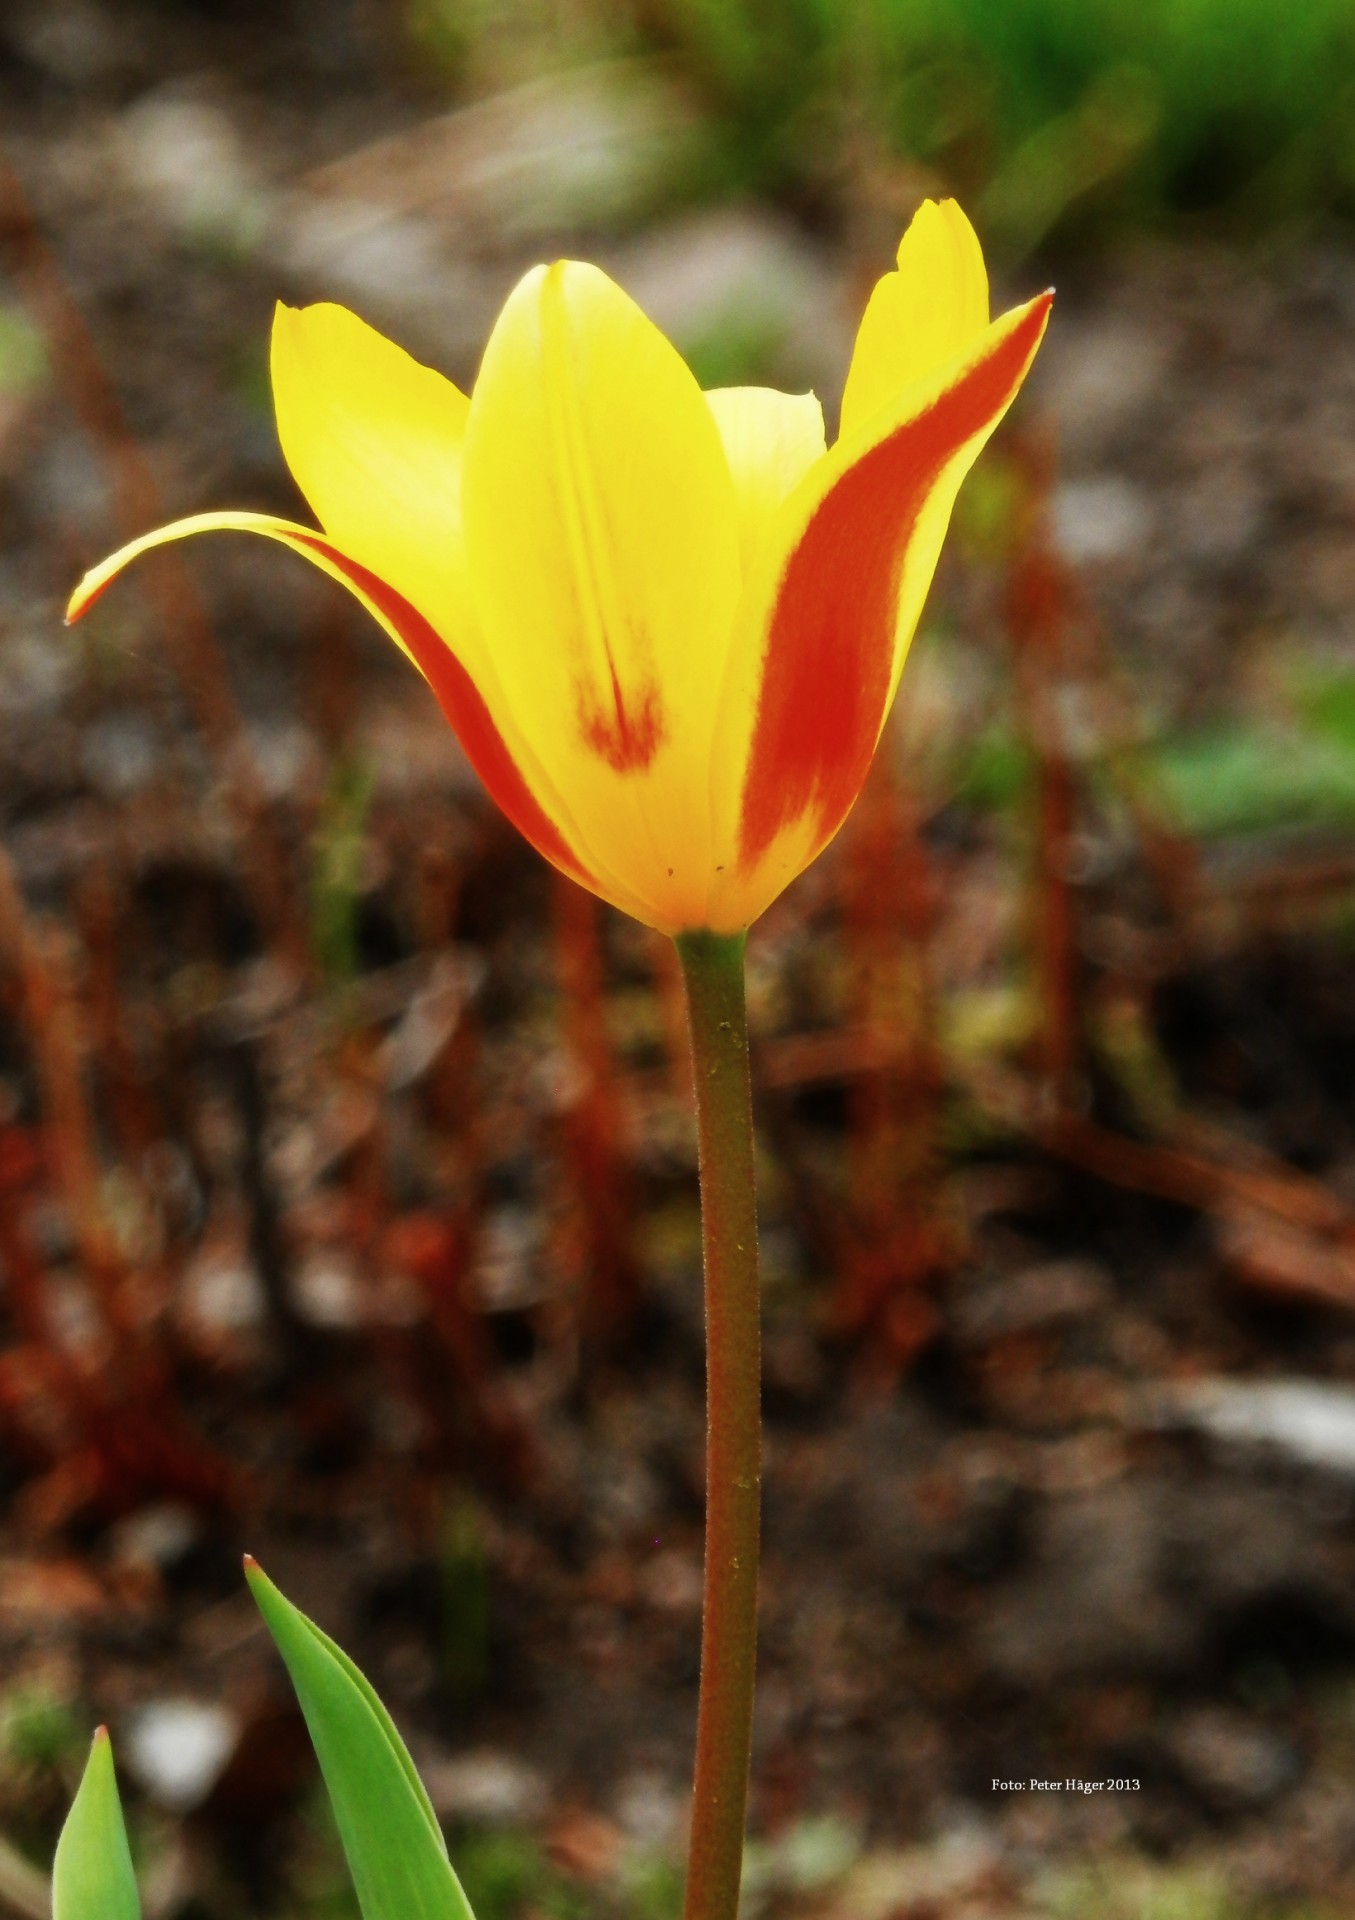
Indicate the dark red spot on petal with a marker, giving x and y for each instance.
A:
(629, 736)
(831, 646)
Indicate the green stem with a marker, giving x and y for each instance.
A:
(712, 970)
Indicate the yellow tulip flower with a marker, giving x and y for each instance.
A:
(666, 625)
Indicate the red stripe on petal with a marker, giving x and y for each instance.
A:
(830, 648)
(461, 702)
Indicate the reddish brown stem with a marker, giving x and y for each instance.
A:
(891, 1242)
(712, 966)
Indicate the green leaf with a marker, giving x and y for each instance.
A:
(93, 1878)
(391, 1837)
(1248, 779)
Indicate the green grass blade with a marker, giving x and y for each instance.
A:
(93, 1878)
(394, 1846)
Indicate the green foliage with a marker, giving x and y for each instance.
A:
(384, 1819)
(654, 1889)
(1185, 1894)
(998, 774)
(391, 1838)
(506, 1876)
(1044, 115)
(37, 1730)
(507, 40)
(1128, 1888)
(806, 1859)
(986, 522)
(23, 356)
(1326, 704)
(739, 349)
(1293, 768)
(1245, 779)
(1139, 105)
(92, 1878)
(502, 1871)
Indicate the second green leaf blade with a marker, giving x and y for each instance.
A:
(92, 1878)
(394, 1846)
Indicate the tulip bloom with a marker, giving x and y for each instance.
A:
(666, 625)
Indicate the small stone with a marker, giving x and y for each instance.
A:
(1222, 516)
(186, 159)
(74, 41)
(672, 1582)
(735, 282)
(37, 673)
(1309, 1420)
(119, 753)
(327, 1289)
(418, 1040)
(158, 1536)
(220, 1291)
(816, 1853)
(507, 1274)
(1232, 1761)
(178, 1750)
(650, 1810)
(928, 1878)
(485, 1786)
(1100, 378)
(1050, 1294)
(1102, 518)
(285, 758)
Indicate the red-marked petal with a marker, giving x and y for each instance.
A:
(829, 667)
(457, 694)
(462, 703)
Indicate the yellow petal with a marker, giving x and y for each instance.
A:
(602, 544)
(373, 440)
(931, 309)
(771, 440)
(303, 540)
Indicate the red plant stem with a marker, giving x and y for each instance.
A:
(891, 1243)
(132, 1416)
(712, 968)
(38, 957)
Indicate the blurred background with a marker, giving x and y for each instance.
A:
(347, 1172)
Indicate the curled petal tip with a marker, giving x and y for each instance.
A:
(88, 591)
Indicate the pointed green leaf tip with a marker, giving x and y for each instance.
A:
(395, 1849)
(92, 1878)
